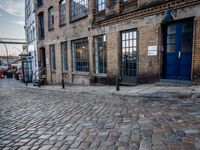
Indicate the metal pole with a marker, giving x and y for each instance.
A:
(117, 84)
(6, 51)
(63, 83)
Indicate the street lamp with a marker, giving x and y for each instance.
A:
(6, 50)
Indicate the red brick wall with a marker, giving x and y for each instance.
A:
(149, 66)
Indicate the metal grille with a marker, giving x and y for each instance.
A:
(80, 55)
(129, 48)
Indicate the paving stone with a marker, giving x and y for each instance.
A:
(57, 119)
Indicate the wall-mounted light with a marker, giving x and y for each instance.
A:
(168, 16)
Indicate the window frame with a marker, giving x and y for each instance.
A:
(81, 17)
(96, 54)
(61, 14)
(51, 18)
(52, 57)
(40, 3)
(80, 42)
(62, 56)
(103, 2)
(41, 28)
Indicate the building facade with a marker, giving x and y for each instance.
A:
(30, 32)
(97, 41)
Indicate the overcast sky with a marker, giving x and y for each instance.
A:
(11, 23)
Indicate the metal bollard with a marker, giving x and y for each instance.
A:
(63, 84)
(117, 84)
(38, 83)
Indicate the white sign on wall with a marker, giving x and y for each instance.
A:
(152, 50)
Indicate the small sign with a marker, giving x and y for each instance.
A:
(152, 50)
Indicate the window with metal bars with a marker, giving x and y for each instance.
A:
(80, 55)
(62, 12)
(79, 9)
(52, 57)
(100, 54)
(51, 18)
(64, 56)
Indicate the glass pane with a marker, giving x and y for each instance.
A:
(171, 29)
(171, 48)
(186, 46)
(187, 27)
(123, 36)
(171, 39)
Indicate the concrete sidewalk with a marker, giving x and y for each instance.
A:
(155, 90)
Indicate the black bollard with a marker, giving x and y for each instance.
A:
(38, 83)
(117, 84)
(63, 84)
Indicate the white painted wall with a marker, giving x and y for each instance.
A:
(30, 32)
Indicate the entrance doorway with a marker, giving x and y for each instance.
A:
(178, 42)
(129, 56)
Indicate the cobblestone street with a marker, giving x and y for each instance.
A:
(43, 119)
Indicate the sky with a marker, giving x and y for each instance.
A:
(12, 24)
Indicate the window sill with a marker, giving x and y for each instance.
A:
(52, 29)
(53, 71)
(73, 21)
(65, 72)
(100, 75)
(62, 25)
(80, 73)
(41, 38)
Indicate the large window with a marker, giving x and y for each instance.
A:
(79, 9)
(41, 25)
(62, 12)
(52, 57)
(129, 56)
(51, 18)
(64, 56)
(39, 3)
(80, 55)
(100, 54)
(101, 4)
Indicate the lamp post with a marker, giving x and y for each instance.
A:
(6, 50)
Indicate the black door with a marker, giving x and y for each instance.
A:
(129, 56)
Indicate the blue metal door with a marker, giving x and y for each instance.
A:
(178, 50)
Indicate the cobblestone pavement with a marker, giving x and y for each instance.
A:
(42, 119)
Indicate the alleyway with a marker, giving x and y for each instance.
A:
(46, 119)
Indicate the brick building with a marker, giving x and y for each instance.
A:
(96, 41)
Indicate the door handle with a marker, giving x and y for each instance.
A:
(179, 54)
